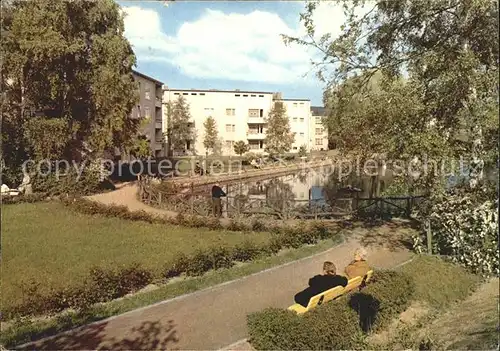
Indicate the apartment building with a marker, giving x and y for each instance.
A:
(240, 115)
(319, 133)
(299, 113)
(149, 108)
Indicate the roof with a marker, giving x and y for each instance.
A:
(295, 99)
(219, 91)
(318, 111)
(146, 77)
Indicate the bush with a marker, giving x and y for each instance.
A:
(335, 325)
(198, 264)
(221, 257)
(258, 225)
(246, 251)
(464, 227)
(239, 225)
(388, 294)
(30, 198)
(178, 266)
(100, 286)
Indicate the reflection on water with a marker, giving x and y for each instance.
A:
(322, 189)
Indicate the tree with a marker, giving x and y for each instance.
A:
(240, 147)
(179, 126)
(452, 69)
(69, 63)
(279, 138)
(302, 151)
(211, 138)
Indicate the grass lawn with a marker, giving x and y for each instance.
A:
(51, 245)
(452, 309)
(27, 330)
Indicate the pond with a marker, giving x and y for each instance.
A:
(319, 191)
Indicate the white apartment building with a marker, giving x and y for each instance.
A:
(240, 115)
(299, 113)
(319, 134)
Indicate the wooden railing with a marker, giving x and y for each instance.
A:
(195, 203)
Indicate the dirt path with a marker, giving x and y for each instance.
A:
(215, 317)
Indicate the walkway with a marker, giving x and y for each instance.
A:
(215, 317)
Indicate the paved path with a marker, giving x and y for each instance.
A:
(215, 317)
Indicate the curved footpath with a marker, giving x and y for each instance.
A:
(215, 317)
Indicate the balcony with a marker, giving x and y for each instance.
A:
(158, 102)
(255, 136)
(256, 120)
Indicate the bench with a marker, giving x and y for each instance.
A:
(328, 295)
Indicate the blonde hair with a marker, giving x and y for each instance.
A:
(329, 268)
(361, 253)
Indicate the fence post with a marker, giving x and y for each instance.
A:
(191, 199)
(429, 237)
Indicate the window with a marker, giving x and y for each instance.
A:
(147, 112)
(139, 111)
(253, 112)
(261, 95)
(302, 103)
(295, 147)
(229, 144)
(185, 93)
(147, 94)
(237, 95)
(319, 141)
(230, 128)
(193, 94)
(176, 93)
(253, 95)
(319, 131)
(294, 104)
(230, 112)
(301, 134)
(202, 93)
(302, 119)
(245, 95)
(295, 119)
(261, 113)
(318, 120)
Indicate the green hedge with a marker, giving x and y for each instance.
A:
(335, 325)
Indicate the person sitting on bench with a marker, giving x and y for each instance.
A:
(320, 283)
(359, 267)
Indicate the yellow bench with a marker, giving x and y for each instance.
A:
(331, 294)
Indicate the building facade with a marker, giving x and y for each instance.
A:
(240, 115)
(319, 133)
(149, 108)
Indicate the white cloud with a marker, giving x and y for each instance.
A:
(230, 46)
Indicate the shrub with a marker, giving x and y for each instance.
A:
(275, 244)
(464, 227)
(334, 325)
(194, 221)
(321, 230)
(198, 264)
(178, 266)
(213, 223)
(258, 225)
(389, 294)
(246, 251)
(221, 257)
(238, 225)
(30, 198)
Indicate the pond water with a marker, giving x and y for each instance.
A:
(322, 188)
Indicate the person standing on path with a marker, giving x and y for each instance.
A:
(217, 193)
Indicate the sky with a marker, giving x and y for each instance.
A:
(228, 44)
